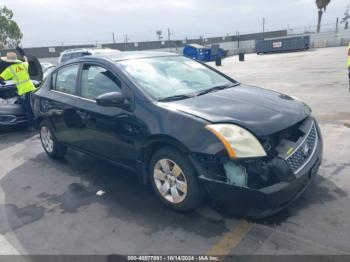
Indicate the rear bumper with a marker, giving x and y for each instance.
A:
(259, 203)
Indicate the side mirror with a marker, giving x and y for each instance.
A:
(113, 99)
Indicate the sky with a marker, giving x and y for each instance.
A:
(49, 22)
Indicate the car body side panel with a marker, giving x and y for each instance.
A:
(188, 130)
(107, 131)
(126, 136)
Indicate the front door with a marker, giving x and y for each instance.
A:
(108, 131)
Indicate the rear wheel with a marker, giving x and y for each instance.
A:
(49, 142)
(174, 180)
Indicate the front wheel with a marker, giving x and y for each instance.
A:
(174, 180)
(49, 142)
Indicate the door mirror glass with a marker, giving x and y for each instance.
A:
(112, 99)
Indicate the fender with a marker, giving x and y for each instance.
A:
(147, 149)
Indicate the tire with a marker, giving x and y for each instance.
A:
(49, 142)
(180, 176)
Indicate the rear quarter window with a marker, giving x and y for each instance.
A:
(66, 57)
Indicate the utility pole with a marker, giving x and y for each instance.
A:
(337, 25)
(126, 40)
(169, 34)
(113, 38)
(169, 37)
(263, 32)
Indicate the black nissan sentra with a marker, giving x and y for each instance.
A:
(183, 127)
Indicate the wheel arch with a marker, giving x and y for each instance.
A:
(152, 145)
(39, 119)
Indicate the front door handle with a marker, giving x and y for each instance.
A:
(83, 114)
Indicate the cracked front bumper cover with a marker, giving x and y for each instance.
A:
(266, 201)
(11, 115)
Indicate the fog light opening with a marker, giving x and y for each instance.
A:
(236, 174)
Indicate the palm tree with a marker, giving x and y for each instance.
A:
(321, 6)
(346, 18)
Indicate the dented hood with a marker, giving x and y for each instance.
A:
(259, 110)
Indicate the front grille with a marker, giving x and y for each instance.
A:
(304, 152)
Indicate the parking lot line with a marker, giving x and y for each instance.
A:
(231, 239)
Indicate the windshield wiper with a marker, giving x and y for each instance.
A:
(215, 88)
(174, 98)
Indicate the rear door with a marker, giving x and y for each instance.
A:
(61, 104)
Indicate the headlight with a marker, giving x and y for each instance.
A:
(239, 142)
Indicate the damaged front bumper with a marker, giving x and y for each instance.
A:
(11, 115)
(291, 182)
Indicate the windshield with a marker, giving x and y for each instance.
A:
(164, 77)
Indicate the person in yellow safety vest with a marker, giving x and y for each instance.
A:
(17, 71)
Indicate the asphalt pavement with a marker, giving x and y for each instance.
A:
(82, 205)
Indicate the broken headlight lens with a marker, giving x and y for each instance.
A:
(239, 142)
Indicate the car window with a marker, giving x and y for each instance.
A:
(66, 57)
(97, 80)
(66, 79)
(163, 77)
(184, 75)
(78, 54)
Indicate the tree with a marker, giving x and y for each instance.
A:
(321, 6)
(346, 18)
(10, 33)
(159, 34)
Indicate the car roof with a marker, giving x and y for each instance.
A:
(127, 55)
(90, 50)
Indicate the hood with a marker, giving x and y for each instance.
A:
(261, 111)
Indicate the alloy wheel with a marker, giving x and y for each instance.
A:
(46, 139)
(170, 181)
